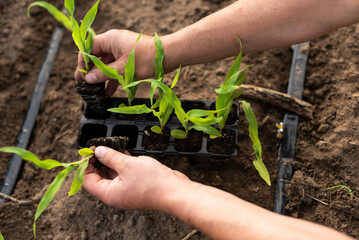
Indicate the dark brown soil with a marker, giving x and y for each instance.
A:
(326, 151)
(226, 144)
(93, 95)
(155, 141)
(193, 142)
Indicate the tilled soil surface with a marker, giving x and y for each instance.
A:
(327, 145)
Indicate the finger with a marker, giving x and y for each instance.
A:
(80, 65)
(96, 185)
(111, 87)
(111, 158)
(95, 75)
(102, 43)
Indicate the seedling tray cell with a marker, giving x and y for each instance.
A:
(136, 128)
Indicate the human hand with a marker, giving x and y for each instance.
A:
(131, 182)
(113, 48)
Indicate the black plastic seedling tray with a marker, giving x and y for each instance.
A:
(133, 126)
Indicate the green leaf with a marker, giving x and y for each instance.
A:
(109, 71)
(157, 104)
(89, 42)
(224, 89)
(200, 113)
(50, 193)
(88, 20)
(85, 152)
(237, 94)
(210, 120)
(156, 129)
(83, 70)
(207, 129)
(179, 134)
(137, 109)
(130, 65)
(70, 6)
(29, 156)
(176, 78)
(235, 67)
(159, 71)
(57, 14)
(253, 133)
(76, 35)
(1, 236)
(79, 178)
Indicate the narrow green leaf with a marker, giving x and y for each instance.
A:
(50, 193)
(83, 70)
(237, 94)
(130, 65)
(89, 43)
(76, 36)
(179, 134)
(342, 186)
(210, 120)
(174, 82)
(200, 113)
(70, 6)
(262, 170)
(57, 14)
(159, 71)
(224, 89)
(88, 20)
(253, 133)
(156, 129)
(207, 129)
(241, 77)
(29, 156)
(85, 152)
(235, 67)
(137, 109)
(157, 104)
(109, 71)
(1, 236)
(79, 178)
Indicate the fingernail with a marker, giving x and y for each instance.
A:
(91, 77)
(100, 152)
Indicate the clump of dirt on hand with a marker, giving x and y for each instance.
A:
(117, 143)
(93, 95)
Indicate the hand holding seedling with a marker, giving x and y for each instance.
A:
(130, 182)
(113, 48)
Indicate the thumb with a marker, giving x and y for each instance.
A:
(97, 76)
(111, 158)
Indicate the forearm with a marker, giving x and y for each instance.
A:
(221, 215)
(260, 24)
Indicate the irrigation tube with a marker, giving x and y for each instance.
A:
(29, 122)
(290, 125)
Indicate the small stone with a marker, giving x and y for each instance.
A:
(115, 217)
(163, 219)
(217, 181)
(323, 128)
(279, 135)
(83, 235)
(97, 223)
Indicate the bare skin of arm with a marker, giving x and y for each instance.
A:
(260, 24)
(144, 183)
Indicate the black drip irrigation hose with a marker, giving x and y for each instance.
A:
(290, 125)
(29, 122)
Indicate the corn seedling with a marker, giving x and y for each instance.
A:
(201, 119)
(55, 186)
(253, 134)
(228, 91)
(342, 186)
(113, 73)
(164, 109)
(82, 34)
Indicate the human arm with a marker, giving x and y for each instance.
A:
(260, 24)
(144, 183)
